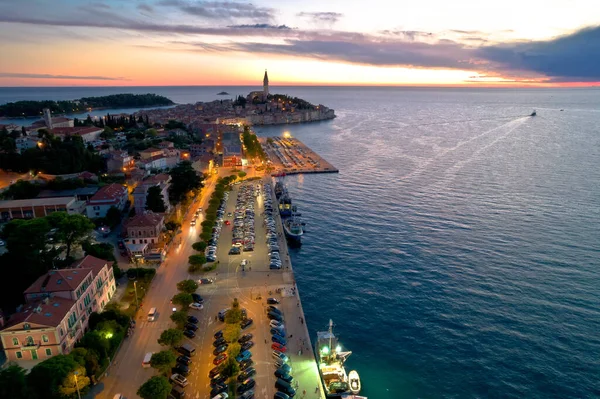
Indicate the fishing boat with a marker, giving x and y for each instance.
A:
(330, 360)
(534, 113)
(279, 189)
(285, 205)
(354, 382)
(293, 230)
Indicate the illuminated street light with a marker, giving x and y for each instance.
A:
(75, 373)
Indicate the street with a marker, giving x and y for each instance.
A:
(251, 287)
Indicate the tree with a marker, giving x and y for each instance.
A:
(242, 174)
(154, 200)
(231, 367)
(100, 250)
(171, 337)
(234, 316)
(157, 387)
(197, 259)
(188, 286)
(199, 246)
(46, 378)
(113, 216)
(184, 299)
(108, 133)
(163, 361)
(172, 225)
(72, 229)
(179, 318)
(87, 358)
(74, 381)
(183, 180)
(13, 383)
(231, 333)
(22, 189)
(95, 341)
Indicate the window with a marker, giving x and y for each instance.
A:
(30, 341)
(16, 341)
(45, 338)
(96, 208)
(26, 326)
(48, 352)
(19, 355)
(139, 233)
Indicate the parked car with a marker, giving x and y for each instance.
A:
(197, 298)
(272, 301)
(245, 338)
(192, 319)
(246, 385)
(235, 251)
(278, 347)
(220, 349)
(279, 373)
(219, 391)
(220, 359)
(247, 345)
(275, 324)
(184, 360)
(272, 308)
(218, 334)
(181, 369)
(244, 375)
(196, 306)
(278, 331)
(219, 341)
(279, 355)
(245, 355)
(286, 368)
(280, 395)
(179, 380)
(189, 333)
(246, 323)
(279, 339)
(216, 370)
(275, 316)
(245, 364)
(191, 326)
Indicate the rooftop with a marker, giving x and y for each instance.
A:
(91, 262)
(59, 280)
(112, 192)
(145, 220)
(45, 313)
(68, 193)
(36, 202)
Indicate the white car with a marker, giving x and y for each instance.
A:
(275, 324)
(179, 380)
(196, 306)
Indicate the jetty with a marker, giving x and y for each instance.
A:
(289, 156)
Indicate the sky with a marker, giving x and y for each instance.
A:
(377, 42)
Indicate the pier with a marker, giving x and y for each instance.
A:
(290, 156)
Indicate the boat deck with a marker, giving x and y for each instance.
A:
(291, 156)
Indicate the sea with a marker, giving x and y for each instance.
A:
(458, 250)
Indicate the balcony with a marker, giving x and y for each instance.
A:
(31, 345)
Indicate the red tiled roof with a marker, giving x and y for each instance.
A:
(110, 193)
(78, 131)
(47, 314)
(58, 280)
(150, 150)
(91, 262)
(148, 219)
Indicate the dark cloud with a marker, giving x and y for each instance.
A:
(259, 26)
(222, 10)
(49, 76)
(320, 17)
(574, 57)
(145, 7)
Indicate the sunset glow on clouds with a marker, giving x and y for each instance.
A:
(186, 42)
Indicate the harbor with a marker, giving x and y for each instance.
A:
(288, 155)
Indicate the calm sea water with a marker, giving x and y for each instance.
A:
(458, 249)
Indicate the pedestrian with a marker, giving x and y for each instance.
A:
(304, 392)
(298, 305)
(317, 389)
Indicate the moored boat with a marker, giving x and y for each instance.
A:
(293, 230)
(534, 113)
(330, 361)
(354, 382)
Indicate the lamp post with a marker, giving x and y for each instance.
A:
(75, 373)
(135, 289)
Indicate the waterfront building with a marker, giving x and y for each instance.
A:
(57, 310)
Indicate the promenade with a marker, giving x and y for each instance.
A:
(251, 287)
(291, 156)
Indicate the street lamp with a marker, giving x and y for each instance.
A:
(135, 289)
(75, 373)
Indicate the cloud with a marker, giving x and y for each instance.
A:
(260, 26)
(321, 17)
(49, 76)
(408, 34)
(145, 7)
(222, 10)
(567, 58)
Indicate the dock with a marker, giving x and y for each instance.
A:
(290, 156)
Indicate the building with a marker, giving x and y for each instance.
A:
(57, 310)
(140, 193)
(25, 142)
(82, 193)
(107, 197)
(207, 147)
(39, 207)
(52, 123)
(88, 134)
(150, 153)
(145, 228)
(120, 161)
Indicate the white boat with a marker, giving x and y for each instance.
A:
(354, 380)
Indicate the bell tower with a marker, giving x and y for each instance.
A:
(266, 85)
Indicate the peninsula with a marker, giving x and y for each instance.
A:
(35, 108)
(257, 108)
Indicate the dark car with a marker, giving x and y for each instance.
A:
(244, 375)
(219, 342)
(276, 331)
(273, 309)
(279, 339)
(218, 334)
(234, 251)
(197, 298)
(220, 359)
(272, 301)
(280, 395)
(274, 266)
(247, 345)
(274, 316)
(192, 319)
(220, 349)
(280, 373)
(245, 338)
(246, 385)
(216, 370)
(189, 333)
(184, 360)
(181, 369)
(191, 326)
(286, 368)
(218, 389)
(218, 379)
(249, 248)
(245, 364)
(246, 323)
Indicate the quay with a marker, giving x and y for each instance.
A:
(290, 156)
(251, 285)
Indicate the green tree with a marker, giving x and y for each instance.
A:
(22, 189)
(113, 216)
(188, 286)
(13, 383)
(183, 180)
(163, 361)
(172, 225)
(76, 380)
(95, 341)
(197, 259)
(72, 229)
(242, 174)
(108, 133)
(199, 246)
(231, 332)
(231, 367)
(100, 250)
(157, 387)
(179, 318)
(184, 299)
(171, 337)
(87, 358)
(234, 316)
(46, 378)
(154, 200)
(151, 133)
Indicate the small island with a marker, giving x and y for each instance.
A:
(223, 93)
(35, 108)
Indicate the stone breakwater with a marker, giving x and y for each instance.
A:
(321, 114)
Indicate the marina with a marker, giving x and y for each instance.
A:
(288, 155)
